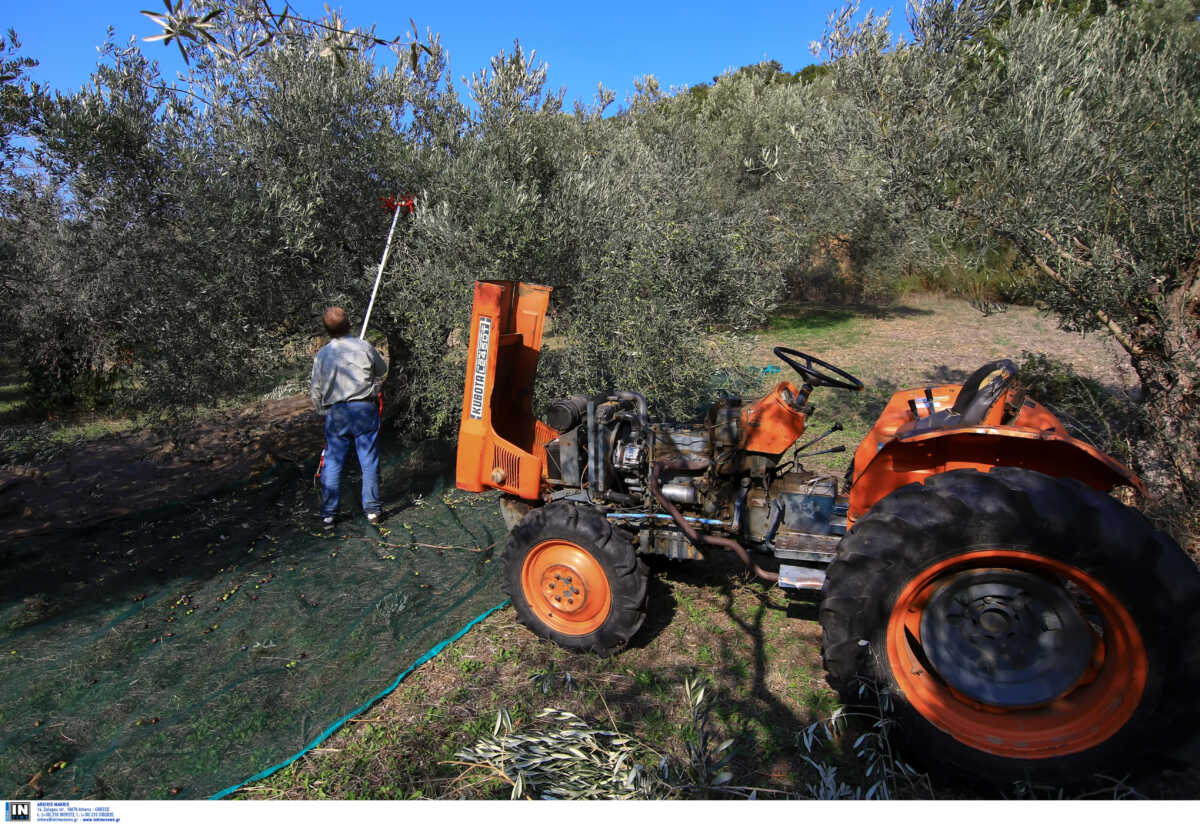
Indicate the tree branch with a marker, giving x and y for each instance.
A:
(1063, 253)
(177, 90)
(1119, 334)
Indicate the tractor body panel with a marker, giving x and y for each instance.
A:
(895, 452)
(500, 443)
(773, 424)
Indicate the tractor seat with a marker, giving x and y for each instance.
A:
(979, 393)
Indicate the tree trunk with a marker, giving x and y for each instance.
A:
(397, 398)
(1171, 381)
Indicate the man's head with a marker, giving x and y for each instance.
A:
(336, 322)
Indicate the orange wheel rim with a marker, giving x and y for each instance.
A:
(566, 587)
(1102, 694)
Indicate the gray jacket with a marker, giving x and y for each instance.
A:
(345, 369)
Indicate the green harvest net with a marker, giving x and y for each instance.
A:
(179, 651)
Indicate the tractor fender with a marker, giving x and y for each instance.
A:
(911, 460)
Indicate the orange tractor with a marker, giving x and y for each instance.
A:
(977, 582)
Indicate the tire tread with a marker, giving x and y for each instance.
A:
(918, 525)
(612, 548)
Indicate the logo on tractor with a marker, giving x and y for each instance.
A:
(479, 381)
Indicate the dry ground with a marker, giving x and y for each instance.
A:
(132, 471)
(927, 338)
(932, 337)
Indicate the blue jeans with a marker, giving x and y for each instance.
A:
(356, 422)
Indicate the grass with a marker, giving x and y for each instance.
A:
(447, 706)
(451, 732)
(815, 325)
(23, 425)
(33, 436)
(12, 394)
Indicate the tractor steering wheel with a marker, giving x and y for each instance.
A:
(818, 377)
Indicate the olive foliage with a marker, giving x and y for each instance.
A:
(190, 232)
(1073, 139)
(16, 110)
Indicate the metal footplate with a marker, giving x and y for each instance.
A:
(795, 577)
(806, 547)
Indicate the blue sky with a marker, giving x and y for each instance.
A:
(679, 43)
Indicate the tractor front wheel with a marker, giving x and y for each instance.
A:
(575, 579)
(1016, 626)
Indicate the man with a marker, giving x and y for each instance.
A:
(343, 390)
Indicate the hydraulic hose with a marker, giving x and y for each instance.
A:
(693, 536)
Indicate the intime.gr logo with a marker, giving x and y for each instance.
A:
(16, 810)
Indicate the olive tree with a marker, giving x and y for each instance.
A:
(209, 219)
(204, 224)
(17, 195)
(827, 227)
(1075, 142)
(99, 195)
(645, 275)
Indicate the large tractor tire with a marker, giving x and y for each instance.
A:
(575, 579)
(1016, 626)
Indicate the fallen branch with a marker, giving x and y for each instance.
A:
(484, 765)
(414, 544)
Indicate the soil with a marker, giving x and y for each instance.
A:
(934, 338)
(134, 471)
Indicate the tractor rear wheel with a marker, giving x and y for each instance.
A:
(575, 579)
(1016, 626)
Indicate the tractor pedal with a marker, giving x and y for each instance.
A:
(795, 577)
